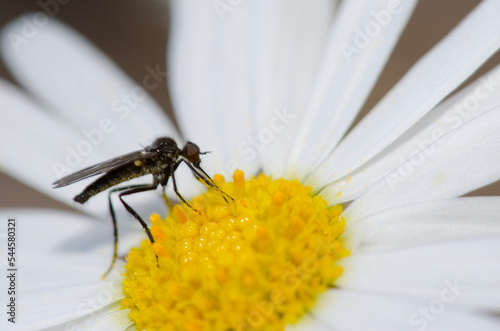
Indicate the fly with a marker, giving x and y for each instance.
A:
(160, 159)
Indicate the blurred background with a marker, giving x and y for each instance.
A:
(134, 34)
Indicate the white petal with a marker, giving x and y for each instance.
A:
(52, 229)
(425, 223)
(226, 67)
(86, 89)
(57, 288)
(58, 231)
(463, 271)
(110, 318)
(459, 109)
(438, 73)
(463, 160)
(307, 322)
(287, 42)
(34, 147)
(29, 128)
(56, 59)
(209, 80)
(348, 71)
(353, 310)
(60, 267)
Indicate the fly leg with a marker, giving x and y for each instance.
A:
(213, 185)
(205, 178)
(137, 189)
(164, 181)
(173, 167)
(127, 189)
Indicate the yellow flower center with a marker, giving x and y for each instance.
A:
(257, 263)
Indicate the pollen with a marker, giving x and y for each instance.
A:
(255, 263)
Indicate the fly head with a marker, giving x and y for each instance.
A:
(191, 152)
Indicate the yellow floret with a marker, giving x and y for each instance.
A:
(257, 263)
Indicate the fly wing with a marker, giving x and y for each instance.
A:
(101, 168)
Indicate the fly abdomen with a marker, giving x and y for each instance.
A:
(112, 178)
(82, 197)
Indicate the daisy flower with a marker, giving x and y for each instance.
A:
(364, 229)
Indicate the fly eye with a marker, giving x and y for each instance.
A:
(192, 153)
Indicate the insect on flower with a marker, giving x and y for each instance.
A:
(160, 159)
